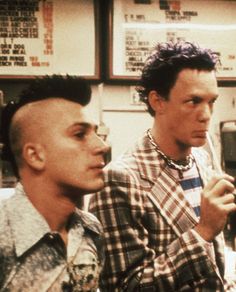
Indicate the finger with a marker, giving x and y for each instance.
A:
(227, 199)
(225, 209)
(230, 208)
(216, 179)
(234, 181)
(221, 188)
(228, 177)
(234, 198)
(224, 186)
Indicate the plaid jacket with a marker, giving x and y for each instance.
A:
(150, 244)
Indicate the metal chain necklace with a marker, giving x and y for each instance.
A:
(185, 165)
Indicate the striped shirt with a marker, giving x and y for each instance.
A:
(191, 185)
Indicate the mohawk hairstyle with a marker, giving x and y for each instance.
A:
(75, 89)
(68, 87)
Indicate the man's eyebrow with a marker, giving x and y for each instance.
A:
(84, 125)
(214, 96)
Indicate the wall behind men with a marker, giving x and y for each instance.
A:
(127, 122)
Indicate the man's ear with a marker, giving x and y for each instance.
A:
(156, 102)
(34, 155)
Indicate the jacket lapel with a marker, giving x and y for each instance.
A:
(166, 193)
(168, 196)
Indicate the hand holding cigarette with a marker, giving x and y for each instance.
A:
(217, 202)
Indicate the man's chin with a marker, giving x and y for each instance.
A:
(95, 188)
(199, 142)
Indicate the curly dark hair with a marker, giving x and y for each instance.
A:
(71, 88)
(166, 61)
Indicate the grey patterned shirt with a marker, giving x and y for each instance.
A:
(33, 258)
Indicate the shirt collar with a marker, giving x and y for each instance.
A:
(150, 167)
(89, 221)
(29, 226)
(147, 160)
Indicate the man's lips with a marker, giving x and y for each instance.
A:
(201, 133)
(99, 165)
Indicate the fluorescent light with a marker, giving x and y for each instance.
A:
(142, 25)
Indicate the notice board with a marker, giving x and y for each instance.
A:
(39, 37)
(137, 25)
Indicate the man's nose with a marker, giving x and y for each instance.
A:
(101, 145)
(205, 113)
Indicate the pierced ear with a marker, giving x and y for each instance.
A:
(34, 155)
(156, 102)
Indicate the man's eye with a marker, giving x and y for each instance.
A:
(80, 135)
(212, 101)
(195, 100)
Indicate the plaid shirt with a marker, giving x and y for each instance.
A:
(148, 225)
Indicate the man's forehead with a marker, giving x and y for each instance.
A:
(44, 109)
(55, 101)
(50, 103)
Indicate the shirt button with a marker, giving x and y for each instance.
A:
(51, 236)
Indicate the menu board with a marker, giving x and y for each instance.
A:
(138, 25)
(40, 37)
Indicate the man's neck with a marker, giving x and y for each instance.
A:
(55, 208)
(169, 147)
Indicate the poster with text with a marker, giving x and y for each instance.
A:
(39, 37)
(137, 25)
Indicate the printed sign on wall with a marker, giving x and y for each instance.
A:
(40, 37)
(137, 25)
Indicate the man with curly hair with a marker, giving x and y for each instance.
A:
(163, 207)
